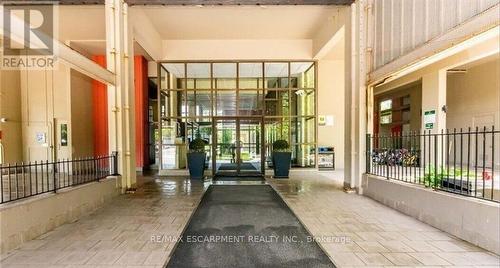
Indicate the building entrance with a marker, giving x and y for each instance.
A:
(238, 146)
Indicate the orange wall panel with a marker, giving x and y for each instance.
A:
(141, 111)
(100, 112)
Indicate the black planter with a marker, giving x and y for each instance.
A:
(281, 164)
(196, 165)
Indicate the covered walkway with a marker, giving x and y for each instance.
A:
(138, 229)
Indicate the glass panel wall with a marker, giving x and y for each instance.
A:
(192, 93)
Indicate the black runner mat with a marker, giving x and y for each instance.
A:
(246, 226)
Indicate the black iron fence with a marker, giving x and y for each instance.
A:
(24, 180)
(460, 161)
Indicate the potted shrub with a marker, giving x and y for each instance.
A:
(282, 158)
(196, 158)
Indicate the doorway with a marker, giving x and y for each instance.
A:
(238, 149)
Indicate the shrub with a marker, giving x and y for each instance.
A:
(280, 146)
(197, 146)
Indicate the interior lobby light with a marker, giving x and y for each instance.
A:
(300, 92)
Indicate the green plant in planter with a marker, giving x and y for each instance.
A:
(431, 178)
(197, 146)
(281, 146)
(282, 158)
(196, 158)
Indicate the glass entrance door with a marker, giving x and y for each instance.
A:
(238, 147)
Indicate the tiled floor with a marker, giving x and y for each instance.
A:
(132, 230)
(139, 230)
(357, 231)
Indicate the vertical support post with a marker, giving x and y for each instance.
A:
(368, 153)
(54, 169)
(121, 102)
(114, 158)
(436, 148)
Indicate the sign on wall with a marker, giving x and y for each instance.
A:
(41, 137)
(326, 120)
(429, 119)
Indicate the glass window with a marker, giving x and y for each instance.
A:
(198, 75)
(385, 105)
(250, 75)
(224, 75)
(250, 102)
(302, 74)
(226, 102)
(190, 104)
(386, 117)
(276, 75)
(303, 155)
(302, 102)
(172, 103)
(277, 103)
(303, 130)
(203, 103)
(177, 74)
(193, 92)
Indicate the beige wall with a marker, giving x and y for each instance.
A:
(300, 49)
(25, 220)
(331, 102)
(82, 138)
(37, 102)
(473, 97)
(10, 108)
(45, 101)
(470, 219)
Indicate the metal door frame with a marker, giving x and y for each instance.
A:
(237, 120)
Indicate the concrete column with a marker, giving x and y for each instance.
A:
(119, 52)
(348, 102)
(434, 99)
(355, 89)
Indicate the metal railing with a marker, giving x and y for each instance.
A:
(19, 181)
(460, 161)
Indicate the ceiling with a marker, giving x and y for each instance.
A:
(214, 2)
(242, 22)
(488, 59)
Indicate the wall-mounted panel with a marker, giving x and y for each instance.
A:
(403, 25)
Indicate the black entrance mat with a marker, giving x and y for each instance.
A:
(233, 166)
(246, 226)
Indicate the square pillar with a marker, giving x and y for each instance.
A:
(434, 155)
(433, 100)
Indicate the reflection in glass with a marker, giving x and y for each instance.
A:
(302, 102)
(277, 103)
(173, 144)
(177, 75)
(203, 103)
(302, 130)
(250, 75)
(303, 155)
(302, 74)
(276, 74)
(226, 102)
(226, 145)
(250, 145)
(250, 102)
(192, 93)
(224, 75)
(198, 75)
